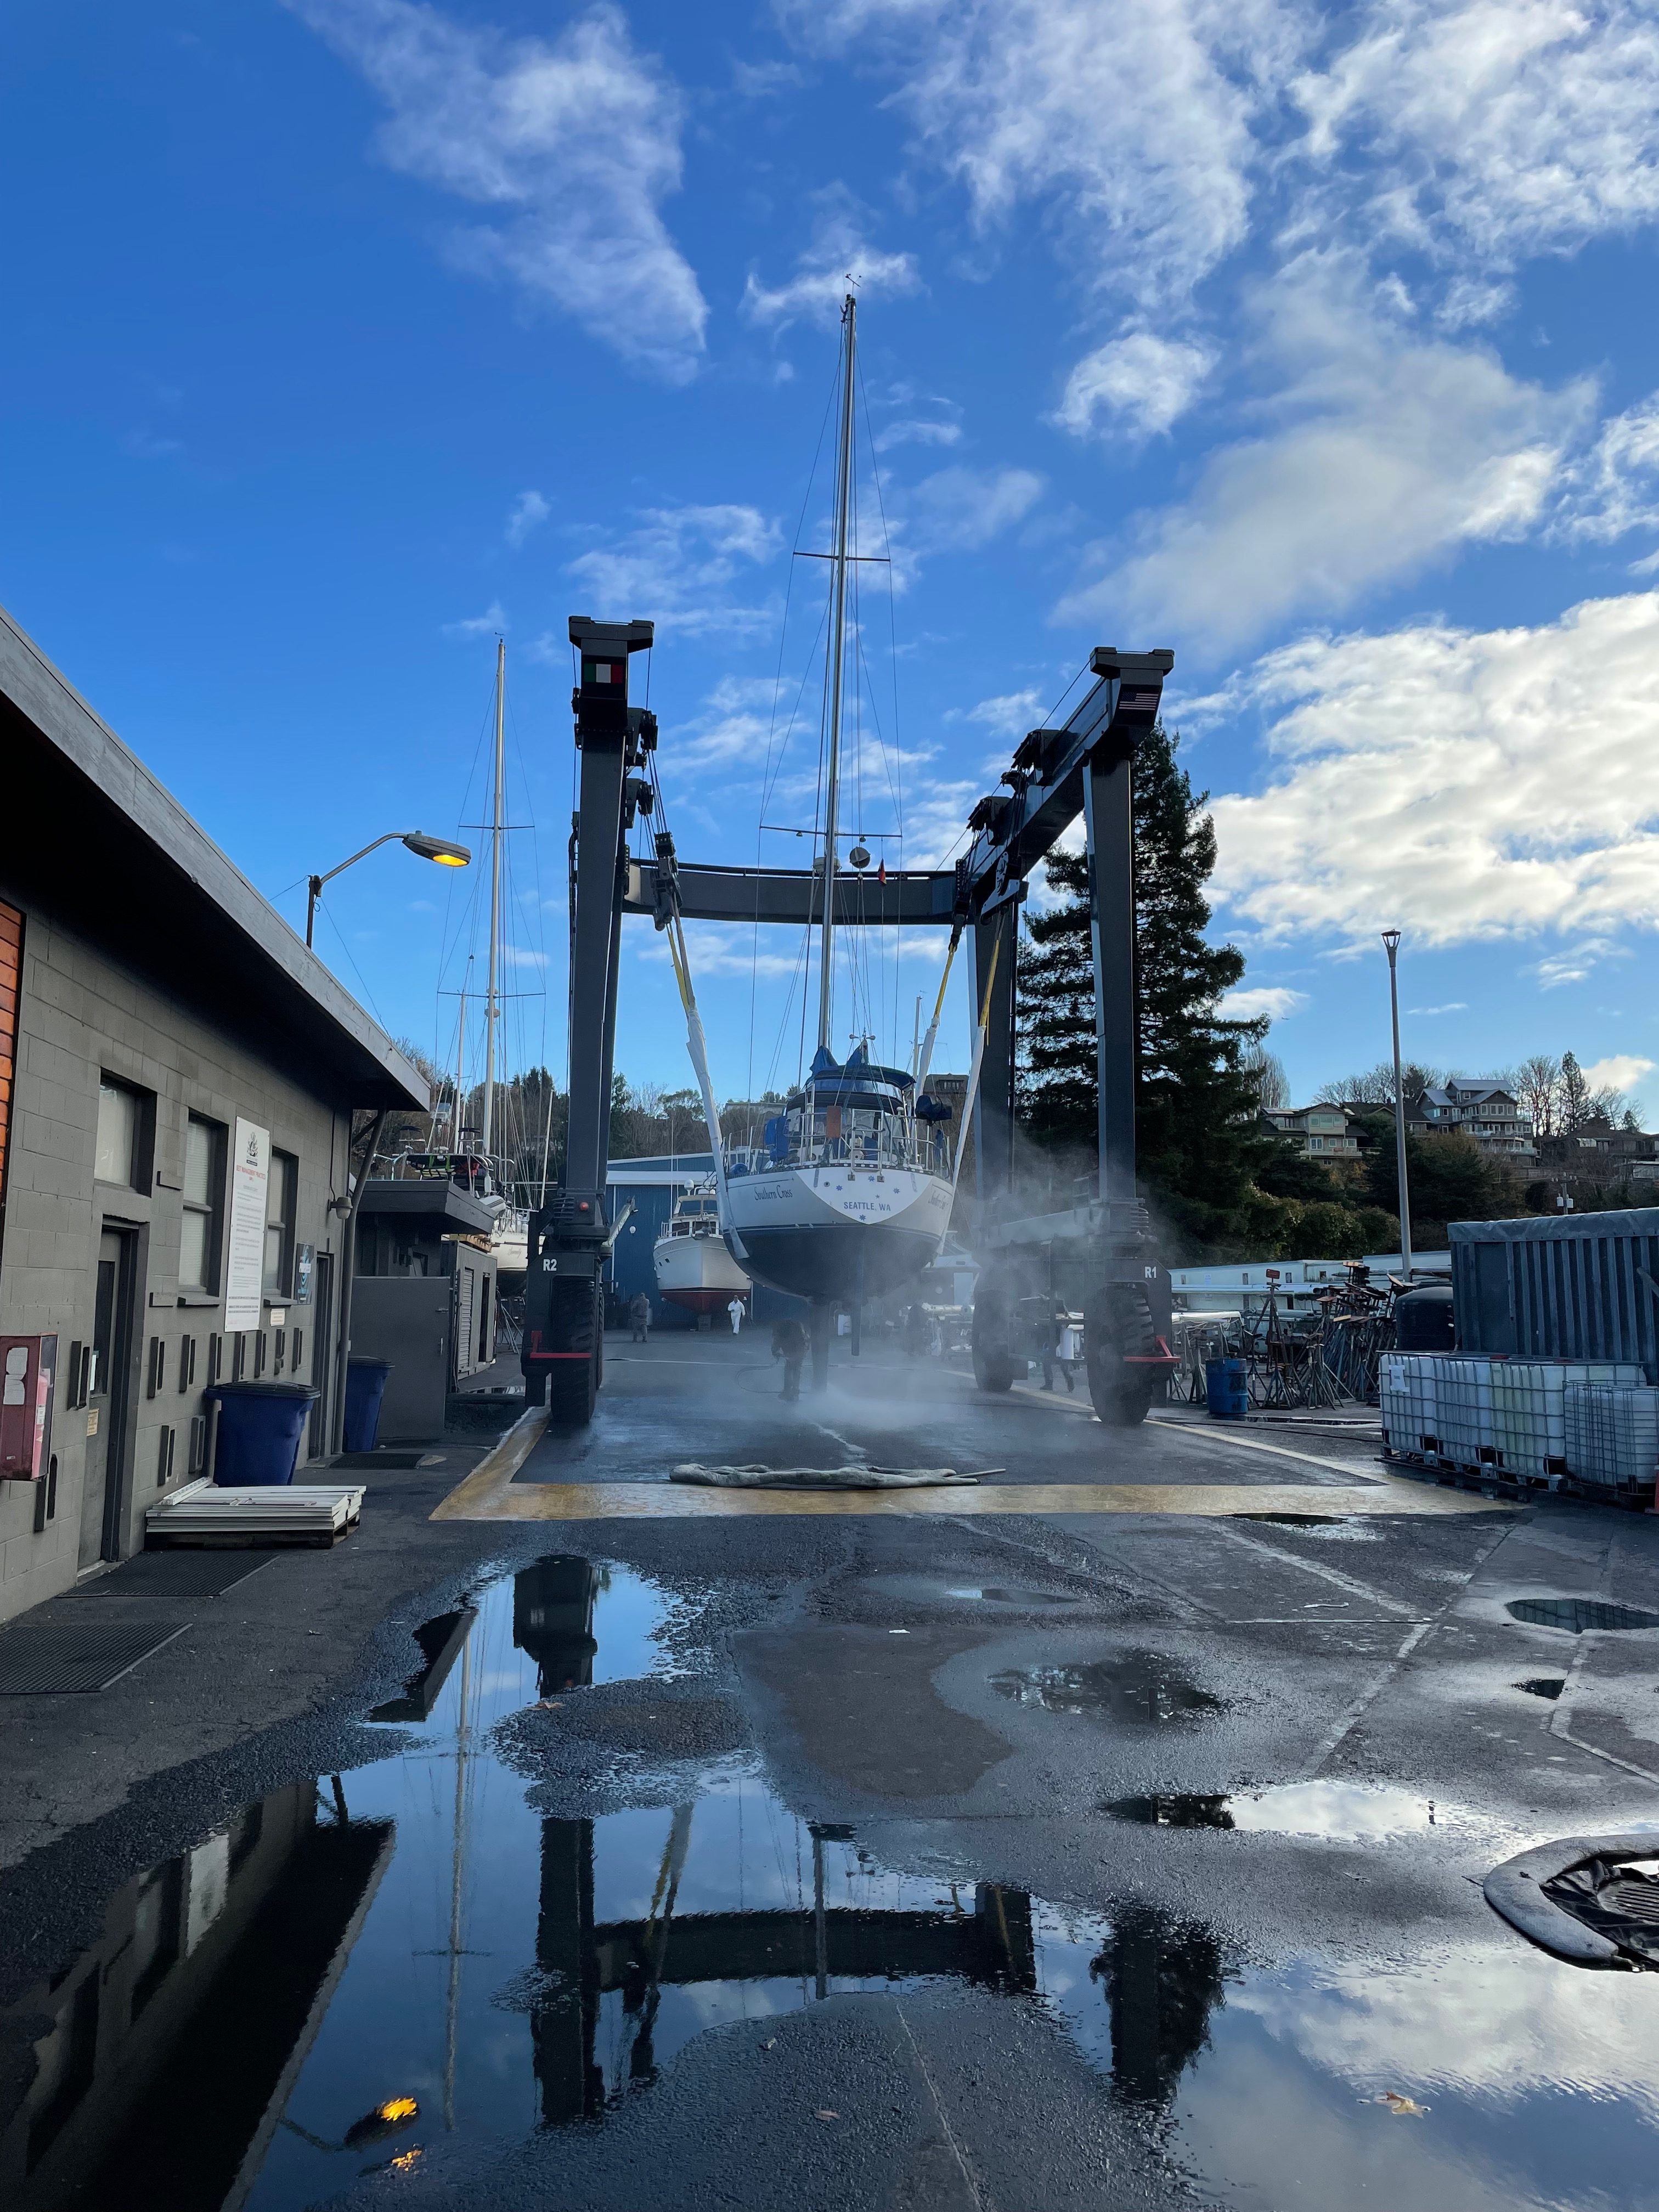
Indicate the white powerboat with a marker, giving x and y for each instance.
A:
(693, 1266)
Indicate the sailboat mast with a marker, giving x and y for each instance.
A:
(490, 1009)
(837, 643)
(460, 1063)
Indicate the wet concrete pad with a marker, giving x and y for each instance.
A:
(861, 1706)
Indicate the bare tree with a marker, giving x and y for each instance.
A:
(1376, 1087)
(1266, 1070)
(1537, 1087)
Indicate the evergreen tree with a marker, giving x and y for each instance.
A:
(1199, 1138)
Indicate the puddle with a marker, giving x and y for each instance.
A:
(1004, 1597)
(1577, 1614)
(357, 1972)
(1543, 1685)
(1296, 1520)
(1144, 1689)
(1335, 1812)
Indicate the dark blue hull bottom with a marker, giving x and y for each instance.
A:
(835, 1261)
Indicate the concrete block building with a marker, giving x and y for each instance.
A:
(179, 1076)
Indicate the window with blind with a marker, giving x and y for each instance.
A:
(200, 1236)
(280, 1194)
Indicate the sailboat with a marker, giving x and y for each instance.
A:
(852, 1193)
(479, 1170)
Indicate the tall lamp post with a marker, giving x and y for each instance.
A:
(443, 850)
(1391, 944)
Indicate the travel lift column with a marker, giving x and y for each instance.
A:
(564, 1333)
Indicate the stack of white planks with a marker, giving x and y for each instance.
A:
(318, 1513)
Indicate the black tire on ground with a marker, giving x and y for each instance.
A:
(571, 1400)
(1117, 1320)
(995, 1367)
(574, 1384)
(535, 1385)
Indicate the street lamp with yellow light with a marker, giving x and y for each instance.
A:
(443, 851)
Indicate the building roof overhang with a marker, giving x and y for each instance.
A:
(444, 1207)
(97, 841)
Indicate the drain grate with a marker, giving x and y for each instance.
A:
(1614, 1901)
(37, 1662)
(1576, 1614)
(179, 1574)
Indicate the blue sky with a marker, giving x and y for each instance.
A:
(1319, 345)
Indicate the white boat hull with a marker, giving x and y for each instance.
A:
(838, 1232)
(698, 1273)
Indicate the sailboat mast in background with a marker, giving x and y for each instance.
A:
(491, 1008)
(833, 662)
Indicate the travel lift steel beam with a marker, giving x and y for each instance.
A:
(1098, 1253)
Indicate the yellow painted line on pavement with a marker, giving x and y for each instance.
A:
(478, 1497)
(501, 1499)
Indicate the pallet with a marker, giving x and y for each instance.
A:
(1493, 1482)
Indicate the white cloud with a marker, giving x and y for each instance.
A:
(1133, 119)
(960, 509)
(530, 510)
(1451, 1007)
(1500, 128)
(735, 725)
(1009, 715)
(574, 140)
(491, 622)
(918, 434)
(145, 446)
(1390, 451)
(1144, 382)
(677, 567)
(520, 955)
(1465, 784)
(1273, 1000)
(815, 293)
(1620, 1071)
(1575, 965)
(1616, 487)
(721, 948)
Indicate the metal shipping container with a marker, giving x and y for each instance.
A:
(1585, 1287)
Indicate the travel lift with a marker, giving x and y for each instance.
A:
(1097, 1256)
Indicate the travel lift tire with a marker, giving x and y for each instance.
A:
(996, 1367)
(573, 1386)
(1118, 1332)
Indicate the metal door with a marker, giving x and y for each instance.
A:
(109, 1399)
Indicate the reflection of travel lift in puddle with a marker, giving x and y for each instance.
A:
(579, 1962)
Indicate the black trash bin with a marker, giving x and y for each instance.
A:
(364, 1389)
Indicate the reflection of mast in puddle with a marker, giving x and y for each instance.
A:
(643, 1991)
(456, 1884)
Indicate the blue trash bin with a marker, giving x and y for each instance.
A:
(1226, 1389)
(260, 1424)
(365, 1388)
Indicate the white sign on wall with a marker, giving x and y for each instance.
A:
(244, 1239)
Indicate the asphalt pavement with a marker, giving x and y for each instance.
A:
(920, 1858)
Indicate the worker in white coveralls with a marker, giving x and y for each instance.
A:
(736, 1311)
